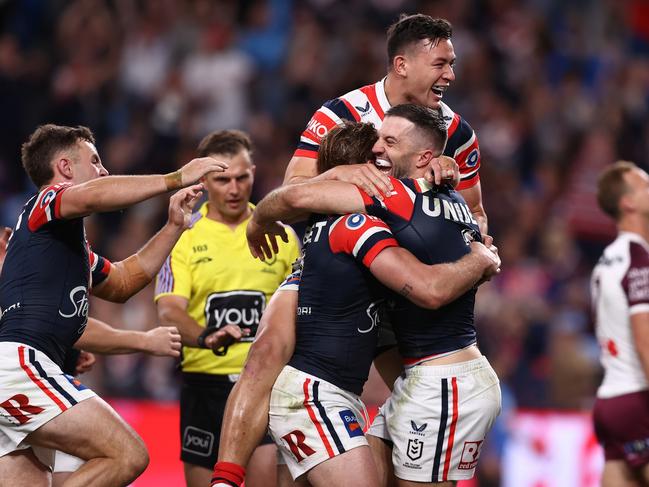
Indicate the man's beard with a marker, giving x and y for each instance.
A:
(400, 170)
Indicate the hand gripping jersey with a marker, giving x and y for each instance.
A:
(47, 273)
(369, 104)
(619, 289)
(437, 226)
(338, 301)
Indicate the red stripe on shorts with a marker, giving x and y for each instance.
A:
(451, 433)
(318, 426)
(35, 380)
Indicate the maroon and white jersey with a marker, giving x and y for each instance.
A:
(620, 289)
(369, 104)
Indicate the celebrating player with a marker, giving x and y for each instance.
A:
(44, 289)
(438, 347)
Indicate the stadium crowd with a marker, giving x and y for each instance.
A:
(555, 91)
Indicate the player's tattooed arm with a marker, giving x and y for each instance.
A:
(406, 290)
(436, 285)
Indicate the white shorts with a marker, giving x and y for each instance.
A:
(437, 418)
(33, 390)
(66, 463)
(312, 420)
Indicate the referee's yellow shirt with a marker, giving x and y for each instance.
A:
(211, 266)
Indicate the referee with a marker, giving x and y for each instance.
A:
(210, 281)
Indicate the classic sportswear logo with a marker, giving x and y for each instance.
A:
(364, 109)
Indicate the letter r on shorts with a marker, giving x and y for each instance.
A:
(295, 441)
(17, 404)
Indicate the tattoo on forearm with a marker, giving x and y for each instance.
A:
(405, 290)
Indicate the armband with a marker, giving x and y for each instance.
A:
(173, 180)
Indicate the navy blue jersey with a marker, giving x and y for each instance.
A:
(46, 276)
(370, 104)
(437, 226)
(338, 299)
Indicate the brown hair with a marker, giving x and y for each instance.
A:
(611, 187)
(350, 143)
(427, 120)
(410, 29)
(227, 142)
(46, 141)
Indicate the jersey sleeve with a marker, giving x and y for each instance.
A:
(99, 268)
(332, 113)
(463, 146)
(362, 236)
(636, 280)
(47, 206)
(291, 251)
(175, 276)
(400, 204)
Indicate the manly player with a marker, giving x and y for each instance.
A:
(620, 294)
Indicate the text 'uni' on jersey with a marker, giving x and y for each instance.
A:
(620, 289)
(48, 271)
(211, 266)
(339, 299)
(437, 226)
(369, 104)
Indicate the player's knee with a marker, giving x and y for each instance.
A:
(134, 459)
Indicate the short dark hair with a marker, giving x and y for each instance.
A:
(43, 144)
(427, 120)
(350, 143)
(611, 186)
(227, 142)
(410, 29)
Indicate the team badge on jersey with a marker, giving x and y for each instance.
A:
(355, 221)
(472, 158)
(351, 423)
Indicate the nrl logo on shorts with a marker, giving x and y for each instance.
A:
(415, 449)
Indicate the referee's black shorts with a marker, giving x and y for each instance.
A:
(202, 405)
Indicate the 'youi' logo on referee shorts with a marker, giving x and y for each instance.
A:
(198, 441)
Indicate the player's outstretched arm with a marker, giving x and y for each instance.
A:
(433, 286)
(295, 203)
(131, 275)
(100, 337)
(111, 193)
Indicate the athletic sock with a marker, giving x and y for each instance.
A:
(228, 474)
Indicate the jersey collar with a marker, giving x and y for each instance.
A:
(381, 96)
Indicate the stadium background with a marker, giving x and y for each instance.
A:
(555, 90)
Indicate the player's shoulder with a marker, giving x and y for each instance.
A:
(355, 223)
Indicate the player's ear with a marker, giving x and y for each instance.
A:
(63, 165)
(253, 169)
(425, 158)
(399, 65)
(626, 203)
